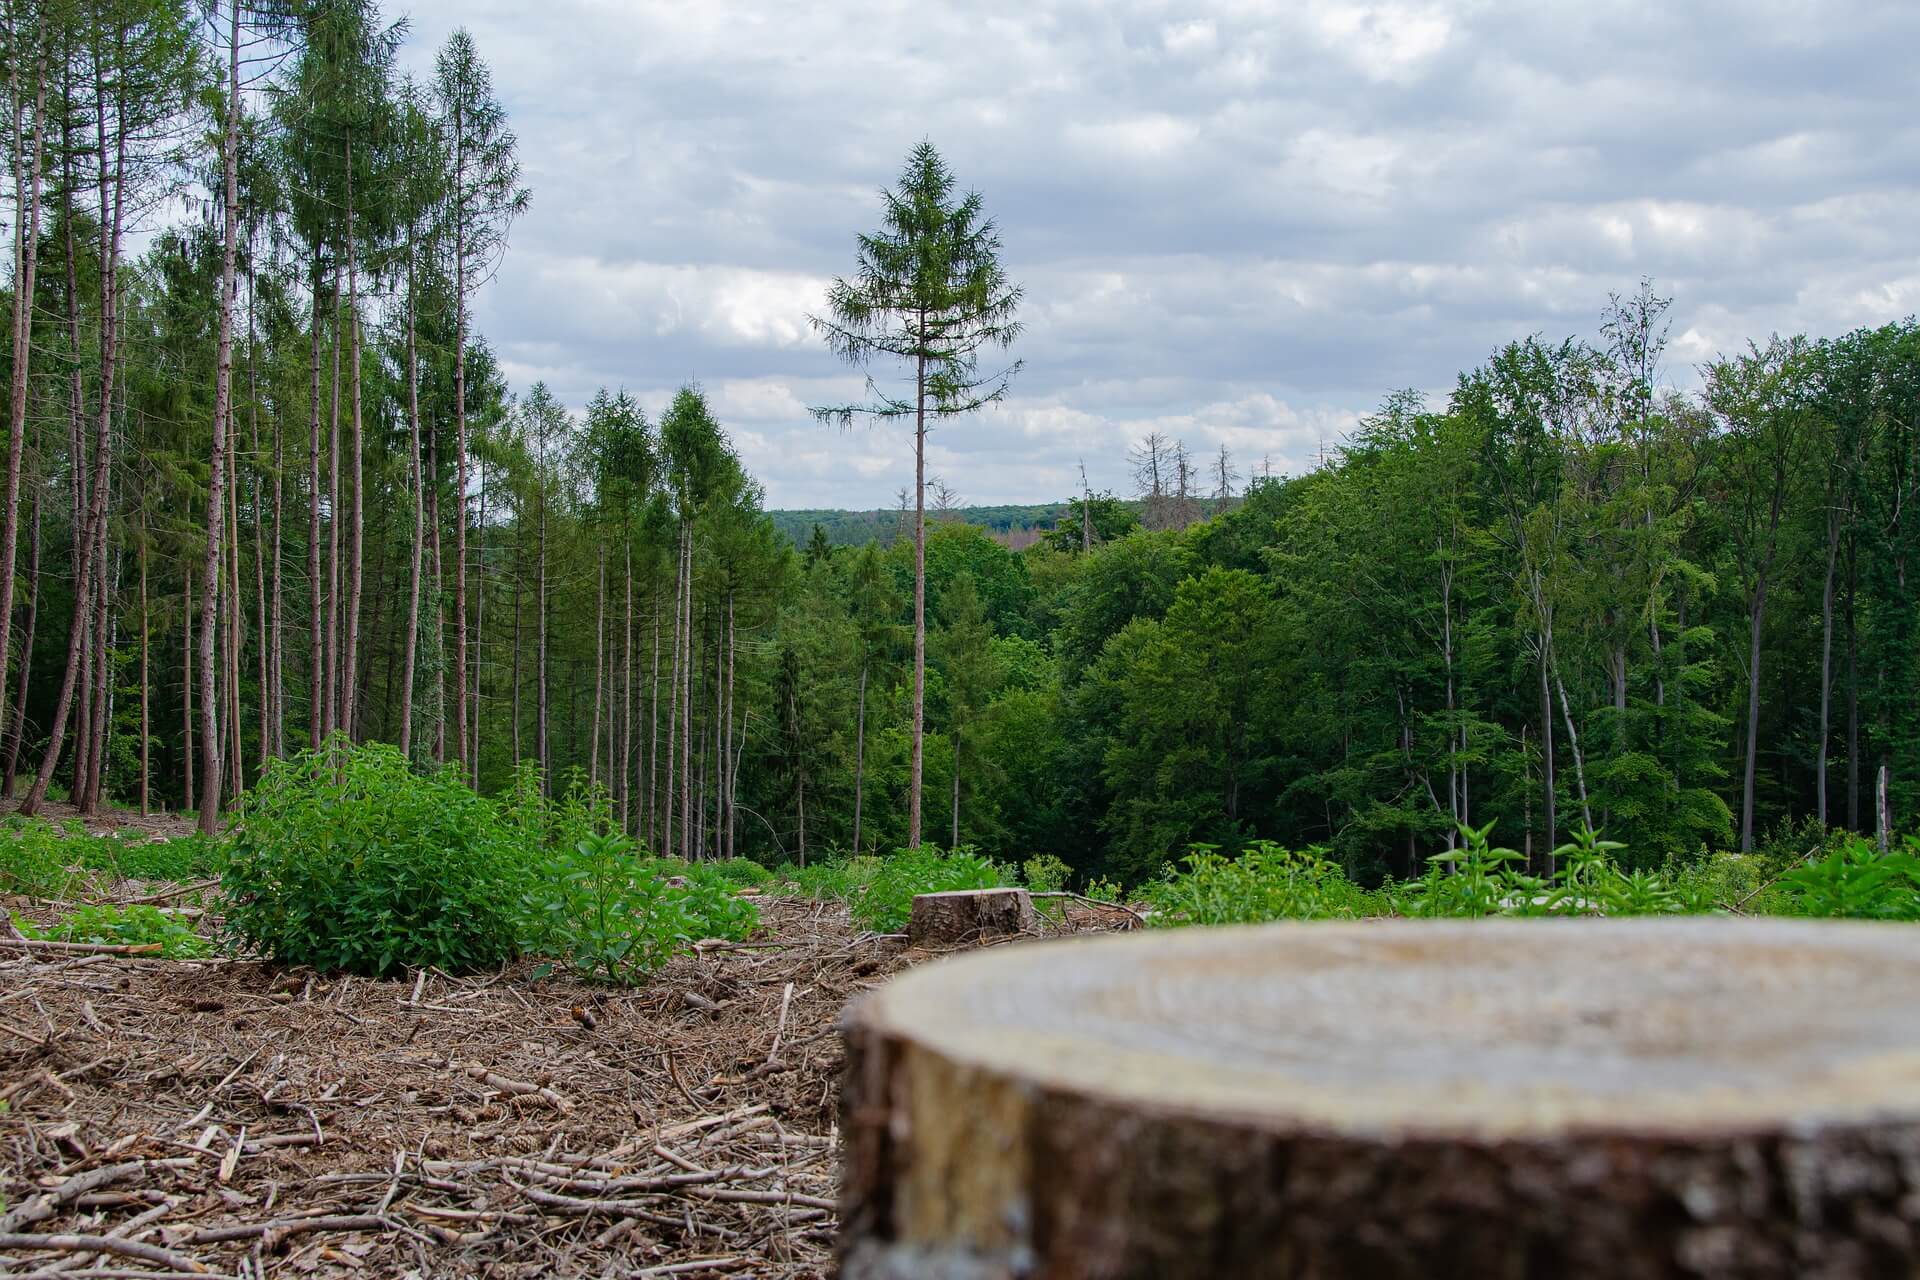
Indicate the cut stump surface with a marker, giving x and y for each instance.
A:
(967, 915)
(1491, 1099)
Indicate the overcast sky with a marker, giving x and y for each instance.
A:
(1241, 222)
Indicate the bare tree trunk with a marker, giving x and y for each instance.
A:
(1753, 712)
(186, 685)
(653, 743)
(236, 620)
(1826, 662)
(412, 643)
(316, 647)
(209, 799)
(335, 610)
(262, 608)
(1853, 695)
(146, 680)
(599, 663)
(26, 259)
(112, 181)
(1546, 758)
(541, 743)
(917, 767)
(518, 577)
(349, 679)
(626, 697)
(686, 714)
(726, 747)
(1573, 745)
(16, 728)
(460, 447)
(673, 697)
(479, 628)
(860, 755)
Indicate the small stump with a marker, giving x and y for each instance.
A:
(1501, 1099)
(966, 915)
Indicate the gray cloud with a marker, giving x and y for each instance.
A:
(1240, 222)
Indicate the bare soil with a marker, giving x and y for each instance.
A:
(247, 1120)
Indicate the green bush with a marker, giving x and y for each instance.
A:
(1479, 880)
(1045, 873)
(136, 856)
(124, 926)
(610, 913)
(1266, 882)
(888, 900)
(1856, 881)
(344, 858)
(843, 879)
(35, 859)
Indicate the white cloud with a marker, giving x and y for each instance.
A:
(1240, 221)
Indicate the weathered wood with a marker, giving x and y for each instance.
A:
(966, 915)
(1697, 1098)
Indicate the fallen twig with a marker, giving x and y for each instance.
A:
(103, 1244)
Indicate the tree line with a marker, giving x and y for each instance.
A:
(266, 484)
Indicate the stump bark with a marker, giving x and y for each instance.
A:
(965, 915)
(1502, 1099)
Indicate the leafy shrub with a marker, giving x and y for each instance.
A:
(136, 856)
(35, 859)
(611, 913)
(741, 871)
(124, 926)
(1478, 880)
(888, 900)
(842, 879)
(1045, 873)
(344, 858)
(1266, 882)
(1856, 881)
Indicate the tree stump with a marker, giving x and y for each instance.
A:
(1499, 1099)
(964, 915)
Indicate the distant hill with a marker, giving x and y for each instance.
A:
(1014, 524)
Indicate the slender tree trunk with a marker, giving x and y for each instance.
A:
(209, 799)
(686, 713)
(111, 186)
(1546, 758)
(412, 643)
(316, 593)
(26, 267)
(653, 740)
(460, 445)
(479, 628)
(1755, 618)
(1573, 746)
(186, 687)
(1826, 661)
(726, 747)
(860, 755)
(541, 743)
(599, 662)
(518, 577)
(1853, 692)
(349, 680)
(917, 767)
(627, 823)
(262, 609)
(673, 697)
(335, 606)
(954, 843)
(16, 728)
(236, 619)
(146, 680)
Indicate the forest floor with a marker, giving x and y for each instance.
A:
(245, 1120)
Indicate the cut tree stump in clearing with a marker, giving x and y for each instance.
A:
(965, 915)
(1499, 1099)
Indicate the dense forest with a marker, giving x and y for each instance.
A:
(266, 484)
